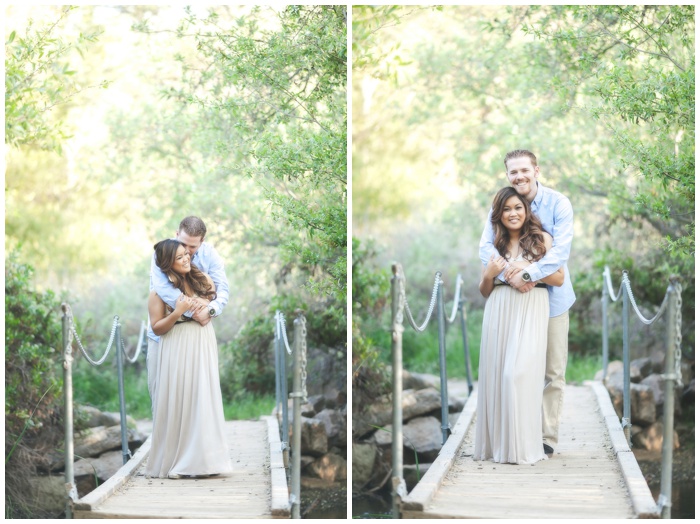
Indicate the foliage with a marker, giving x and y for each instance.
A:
(32, 388)
(639, 63)
(281, 93)
(38, 78)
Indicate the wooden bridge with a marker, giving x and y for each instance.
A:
(592, 474)
(256, 489)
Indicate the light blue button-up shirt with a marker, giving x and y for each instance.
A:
(207, 260)
(557, 216)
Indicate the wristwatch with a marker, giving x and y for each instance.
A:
(526, 276)
(212, 312)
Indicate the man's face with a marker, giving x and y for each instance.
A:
(522, 175)
(191, 243)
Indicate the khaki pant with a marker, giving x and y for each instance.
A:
(152, 369)
(554, 378)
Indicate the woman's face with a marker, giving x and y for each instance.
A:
(181, 265)
(514, 213)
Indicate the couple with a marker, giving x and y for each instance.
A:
(188, 289)
(524, 344)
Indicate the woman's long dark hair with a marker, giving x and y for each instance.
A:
(166, 252)
(531, 237)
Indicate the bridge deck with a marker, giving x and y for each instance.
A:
(257, 488)
(592, 474)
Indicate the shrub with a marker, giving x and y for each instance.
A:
(32, 389)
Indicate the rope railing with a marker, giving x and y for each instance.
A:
(399, 306)
(70, 334)
(298, 395)
(671, 304)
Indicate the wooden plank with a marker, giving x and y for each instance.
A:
(582, 480)
(423, 493)
(280, 504)
(246, 493)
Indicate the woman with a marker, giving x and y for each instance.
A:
(514, 338)
(188, 419)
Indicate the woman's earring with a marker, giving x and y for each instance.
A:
(172, 280)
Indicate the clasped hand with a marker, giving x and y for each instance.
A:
(197, 306)
(512, 272)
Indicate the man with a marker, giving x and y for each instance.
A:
(191, 233)
(557, 216)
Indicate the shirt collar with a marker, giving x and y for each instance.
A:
(538, 197)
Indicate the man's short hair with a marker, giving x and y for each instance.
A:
(517, 153)
(193, 226)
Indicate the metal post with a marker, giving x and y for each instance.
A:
(626, 416)
(284, 395)
(71, 490)
(444, 401)
(397, 480)
(126, 454)
(465, 343)
(604, 303)
(672, 352)
(296, 423)
(278, 396)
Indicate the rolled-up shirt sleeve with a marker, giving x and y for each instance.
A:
(562, 235)
(218, 275)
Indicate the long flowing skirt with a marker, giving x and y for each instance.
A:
(188, 419)
(511, 376)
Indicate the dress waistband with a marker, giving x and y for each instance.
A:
(500, 283)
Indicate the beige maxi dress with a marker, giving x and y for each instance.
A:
(188, 420)
(511, 376)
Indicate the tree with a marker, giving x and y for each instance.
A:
(38, 79)
(637, 66)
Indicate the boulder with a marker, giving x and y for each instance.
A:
(364, 456)
(329, 467)
(335, 426)
(102, 467)
(642, 405)
(424, 436)
(651, 438)
(417, 403)
(50, 494)
(313, 437)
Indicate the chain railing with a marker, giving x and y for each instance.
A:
(69, 334)
(298, 396)
(399, 305)
(671, 304)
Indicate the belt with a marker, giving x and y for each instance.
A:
(500, 283)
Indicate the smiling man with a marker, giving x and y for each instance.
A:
(557, 216)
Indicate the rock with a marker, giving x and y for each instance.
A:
(613, 367)
(318, 402)
(652, 437)
(377, 414)
(100, 439)
(424, 435)
(329, 467)
(50, 494)
(642, 405)
(313, 437)
(658, 388)
(417, 403)
(689, 394)
(418, 381)
(640, 368)
(383, 437)
(364, 457)
(658, 359)
(335, 426)
(103, 466)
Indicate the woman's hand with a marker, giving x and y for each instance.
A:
(183, 303)
(494, 266)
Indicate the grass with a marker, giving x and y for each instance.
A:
(99, 387)
(421, 351)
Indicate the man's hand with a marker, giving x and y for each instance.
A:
(202, 316)
(514, 277)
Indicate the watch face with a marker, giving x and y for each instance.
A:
(212, 312)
